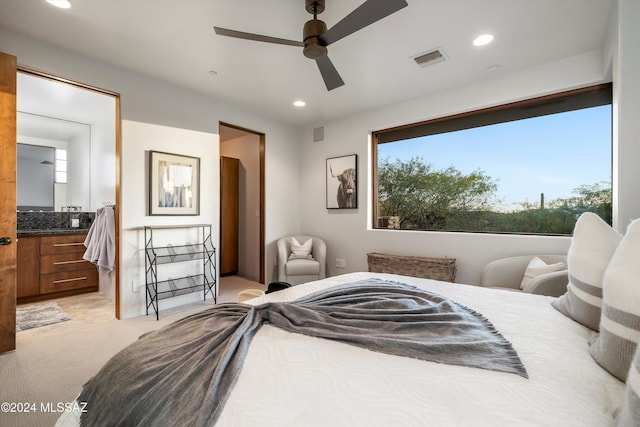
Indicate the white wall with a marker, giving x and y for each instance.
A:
(626, 110)
(347, 232)
(79, 177)
(137, 140)
(93, 112)
(103, 155)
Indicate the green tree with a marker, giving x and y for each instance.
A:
(425, 198)
(560, 215)
(447, 199)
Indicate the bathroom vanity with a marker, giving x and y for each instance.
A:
(51, 266)
(49, 256)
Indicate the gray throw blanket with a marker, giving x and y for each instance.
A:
(183, 373)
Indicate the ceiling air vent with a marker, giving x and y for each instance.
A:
(431, 57)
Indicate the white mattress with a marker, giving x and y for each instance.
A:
(294, 380)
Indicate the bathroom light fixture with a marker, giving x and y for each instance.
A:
(483, 40)
(299, 103)
(62, 4)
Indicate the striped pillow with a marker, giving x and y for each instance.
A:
(630, 414)
(592, 246)
(619, 335)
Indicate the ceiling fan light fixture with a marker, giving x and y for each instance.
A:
(313, 48)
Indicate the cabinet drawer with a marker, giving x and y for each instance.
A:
(69, 243)
(66, 280)
(63, 262)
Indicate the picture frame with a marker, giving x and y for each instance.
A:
(342, 182)
(174, 184)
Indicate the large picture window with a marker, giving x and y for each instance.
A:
(527, 167)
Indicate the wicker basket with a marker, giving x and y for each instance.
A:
(443, 269)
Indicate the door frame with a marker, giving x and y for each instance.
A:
(262, 139)
(8, 138)
(118, 151)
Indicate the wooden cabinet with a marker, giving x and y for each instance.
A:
(229, 215)
(28, 265)
(52, 266)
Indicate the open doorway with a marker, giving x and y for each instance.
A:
(241, 204)
(80, 126)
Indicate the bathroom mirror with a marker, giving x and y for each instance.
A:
(53, 164)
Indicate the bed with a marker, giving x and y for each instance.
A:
(290, 379)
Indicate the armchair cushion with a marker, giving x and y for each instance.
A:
(302, 267)
(300, 251)
(508, 273)
(536, 268)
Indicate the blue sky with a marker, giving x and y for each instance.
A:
(550, 154)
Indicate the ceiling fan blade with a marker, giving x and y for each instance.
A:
(329, 73)
(367, 13)
(255, 37)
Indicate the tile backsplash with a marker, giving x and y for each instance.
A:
(54, 220)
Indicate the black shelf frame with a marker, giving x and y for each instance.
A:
(203, 251)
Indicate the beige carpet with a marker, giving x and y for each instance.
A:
(51, 363)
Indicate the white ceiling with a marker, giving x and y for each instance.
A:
(173, 40)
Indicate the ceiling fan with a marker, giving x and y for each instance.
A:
(316, 37)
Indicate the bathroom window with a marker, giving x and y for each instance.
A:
(61, 166)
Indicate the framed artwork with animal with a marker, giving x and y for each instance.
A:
(342, 182)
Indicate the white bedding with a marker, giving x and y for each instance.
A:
(294, 380)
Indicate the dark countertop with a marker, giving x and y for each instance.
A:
(52, 232)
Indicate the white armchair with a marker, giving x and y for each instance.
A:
(296, 270)
(507, 273)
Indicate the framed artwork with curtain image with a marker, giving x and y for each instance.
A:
(174, 184)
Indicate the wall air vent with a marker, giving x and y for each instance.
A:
(431, 57)
(318, 134)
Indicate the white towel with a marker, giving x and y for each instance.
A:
(101, 242)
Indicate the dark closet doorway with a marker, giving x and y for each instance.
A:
(242, 202)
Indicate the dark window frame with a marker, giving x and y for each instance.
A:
(591, 96)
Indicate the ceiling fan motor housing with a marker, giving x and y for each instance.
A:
(314, 48)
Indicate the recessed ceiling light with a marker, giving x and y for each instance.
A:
(62, 4)
(299, 103)
(492, 68)
(213, 72)
(483, 40)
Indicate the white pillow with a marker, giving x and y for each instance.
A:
(538, 267)
(592, 245)
(300, 251)
(630, 413)
(619, 335)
